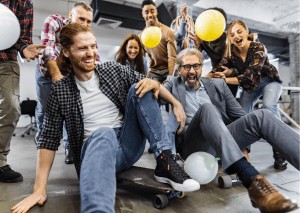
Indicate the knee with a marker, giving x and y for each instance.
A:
(207, 108)
(132, 89)
(106, 136)
(269, 106)
(260, 114)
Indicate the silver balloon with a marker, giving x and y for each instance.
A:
(202, 167)
(9, 28)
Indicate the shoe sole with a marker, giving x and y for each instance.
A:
(280, 167)
(69, 162)
(177, 186)
(19, 179)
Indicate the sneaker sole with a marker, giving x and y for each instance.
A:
(178, 186)
(19, 179)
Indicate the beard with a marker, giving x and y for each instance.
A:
(188, 85)
(78, 64)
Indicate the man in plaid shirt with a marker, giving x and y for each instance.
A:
(109, 110)
(9, 82)
(47, 71)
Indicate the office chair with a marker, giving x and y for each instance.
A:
(28, 108)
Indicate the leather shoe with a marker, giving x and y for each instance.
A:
(266, 198)
(69, 156)
(7, 175)
(279, 161)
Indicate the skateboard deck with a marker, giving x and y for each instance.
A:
(145, 177)
(142, 176)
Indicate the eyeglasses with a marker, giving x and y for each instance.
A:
(188, 67)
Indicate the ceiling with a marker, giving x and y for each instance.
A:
(274, 20)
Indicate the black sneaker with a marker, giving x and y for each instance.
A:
(7, 175)
(168, 171)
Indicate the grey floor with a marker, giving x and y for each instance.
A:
(63, 187)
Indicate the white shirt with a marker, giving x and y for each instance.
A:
(98, 109)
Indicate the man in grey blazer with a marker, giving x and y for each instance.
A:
(216, 123)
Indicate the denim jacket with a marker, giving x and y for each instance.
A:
(134, 68)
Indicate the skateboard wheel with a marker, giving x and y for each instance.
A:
(181, 195)
(225, 182)
(160, 201)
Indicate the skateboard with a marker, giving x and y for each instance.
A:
(225, 181)
(145, 177)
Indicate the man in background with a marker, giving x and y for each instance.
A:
(9, 82)
(163, 56)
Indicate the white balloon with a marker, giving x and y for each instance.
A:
(202, 167)
(9, 28)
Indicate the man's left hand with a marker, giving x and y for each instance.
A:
(180, 116)
(146, 85)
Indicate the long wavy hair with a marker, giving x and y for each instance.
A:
(67, 34)
(175, 26)
(121, 54)
(251, 37)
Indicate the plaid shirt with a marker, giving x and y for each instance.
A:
(23, 9)
(64, 104)
(50, 37)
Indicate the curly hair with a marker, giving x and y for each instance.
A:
(67, 33)
(121, 54)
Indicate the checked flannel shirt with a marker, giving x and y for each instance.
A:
(64, 104)
(23, 9)
(50, 37)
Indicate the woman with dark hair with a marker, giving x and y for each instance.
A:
(256, 76)
(131, 54)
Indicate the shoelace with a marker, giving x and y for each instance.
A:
(175, 168)
(2, 169)
(264, 186)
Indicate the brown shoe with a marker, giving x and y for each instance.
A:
(266, 198)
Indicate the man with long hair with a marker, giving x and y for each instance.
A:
(47, 71)
(9, 82)
(109, 111)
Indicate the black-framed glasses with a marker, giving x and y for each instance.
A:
(188, 67)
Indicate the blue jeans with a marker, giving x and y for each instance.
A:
(43, 88)
(270, 90)
(109, 151)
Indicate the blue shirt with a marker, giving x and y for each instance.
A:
(194, 99)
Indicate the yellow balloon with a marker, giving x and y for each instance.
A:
(210, 25)
(151, 37)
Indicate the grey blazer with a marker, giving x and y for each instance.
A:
(219, 94)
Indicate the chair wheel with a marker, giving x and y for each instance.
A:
(225, 182)
(14, 134)
(22, 136)
(181, 195)
(28, 133)
(160, 201)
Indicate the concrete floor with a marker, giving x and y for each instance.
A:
(64, 196)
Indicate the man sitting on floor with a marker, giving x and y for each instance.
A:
(107, 117)
(217, 123)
